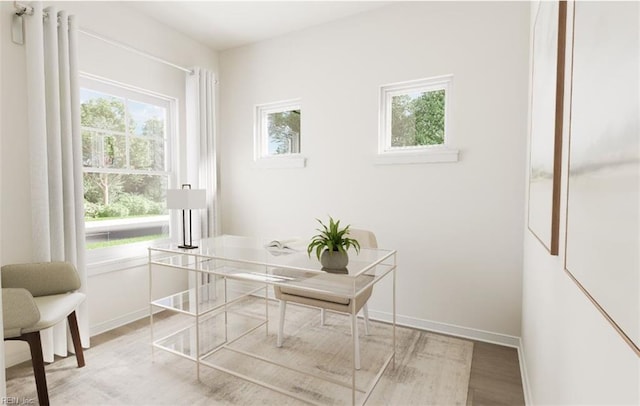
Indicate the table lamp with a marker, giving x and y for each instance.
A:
(186, 199)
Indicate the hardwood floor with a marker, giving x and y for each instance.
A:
(495, 376)
(494, 379)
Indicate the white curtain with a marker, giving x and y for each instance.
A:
(201, 157)
(55, 144)
(201, 144)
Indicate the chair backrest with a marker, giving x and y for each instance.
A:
(42, 278)
(367, 239)
(19, 311)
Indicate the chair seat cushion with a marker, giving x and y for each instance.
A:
(55, 308)
(315, 295)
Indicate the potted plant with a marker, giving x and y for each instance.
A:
(331, 245)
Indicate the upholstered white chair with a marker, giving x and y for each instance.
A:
(327, 302)
(35, 297)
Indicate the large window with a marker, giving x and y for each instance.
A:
(415, 122)
(126, 154)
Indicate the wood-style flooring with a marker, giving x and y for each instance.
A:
(494, 379)
(495, 376)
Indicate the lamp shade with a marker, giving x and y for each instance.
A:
(186, 198)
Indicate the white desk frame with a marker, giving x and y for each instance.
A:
(226, 257)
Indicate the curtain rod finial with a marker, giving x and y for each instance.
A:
(22, 9)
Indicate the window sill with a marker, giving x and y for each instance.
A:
(295, 161)
(417, 157)
(119, 257)
(117, 265)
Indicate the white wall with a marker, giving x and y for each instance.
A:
(118, 296)
(16, 225)
(3, 386)
(457, 227)
(572, 354)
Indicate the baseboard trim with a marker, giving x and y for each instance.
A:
(119, 321)
(448, 329)
(15, 358)
(528, 400)
(407, 321)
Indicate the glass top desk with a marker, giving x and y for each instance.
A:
(224, 271)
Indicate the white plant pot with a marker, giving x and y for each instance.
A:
(334, 259)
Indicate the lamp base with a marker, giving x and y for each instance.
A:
(188, 247)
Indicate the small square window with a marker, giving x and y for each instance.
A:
(415, 122)
(277, 134)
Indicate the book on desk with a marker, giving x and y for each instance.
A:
(285, 246)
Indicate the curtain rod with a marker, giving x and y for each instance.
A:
(28, 10)
(132, 49)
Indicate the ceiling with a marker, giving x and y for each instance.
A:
(228, 24)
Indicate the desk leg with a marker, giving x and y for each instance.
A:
(197, 310)
(355, 349)
(393, 365)
(266, 309)
(150, 304)
(226, 299)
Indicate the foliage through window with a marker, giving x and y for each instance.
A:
(277, 130)
(125, 148)
(283, 129)
(417, 119)
(414, 117)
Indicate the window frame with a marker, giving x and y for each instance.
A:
(119, 253)
(261, 155)
(445, 152)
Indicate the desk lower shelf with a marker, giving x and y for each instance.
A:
(210, 297)
(211, 333)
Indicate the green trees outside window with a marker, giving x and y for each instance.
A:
(415, 122)
(284, 132)
(417, 119)
(124, 152)
(277, 134)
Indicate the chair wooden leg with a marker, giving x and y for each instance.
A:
(283, 308)
(75, 336)
(35, 345)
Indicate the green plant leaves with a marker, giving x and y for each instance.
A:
(331, 238)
